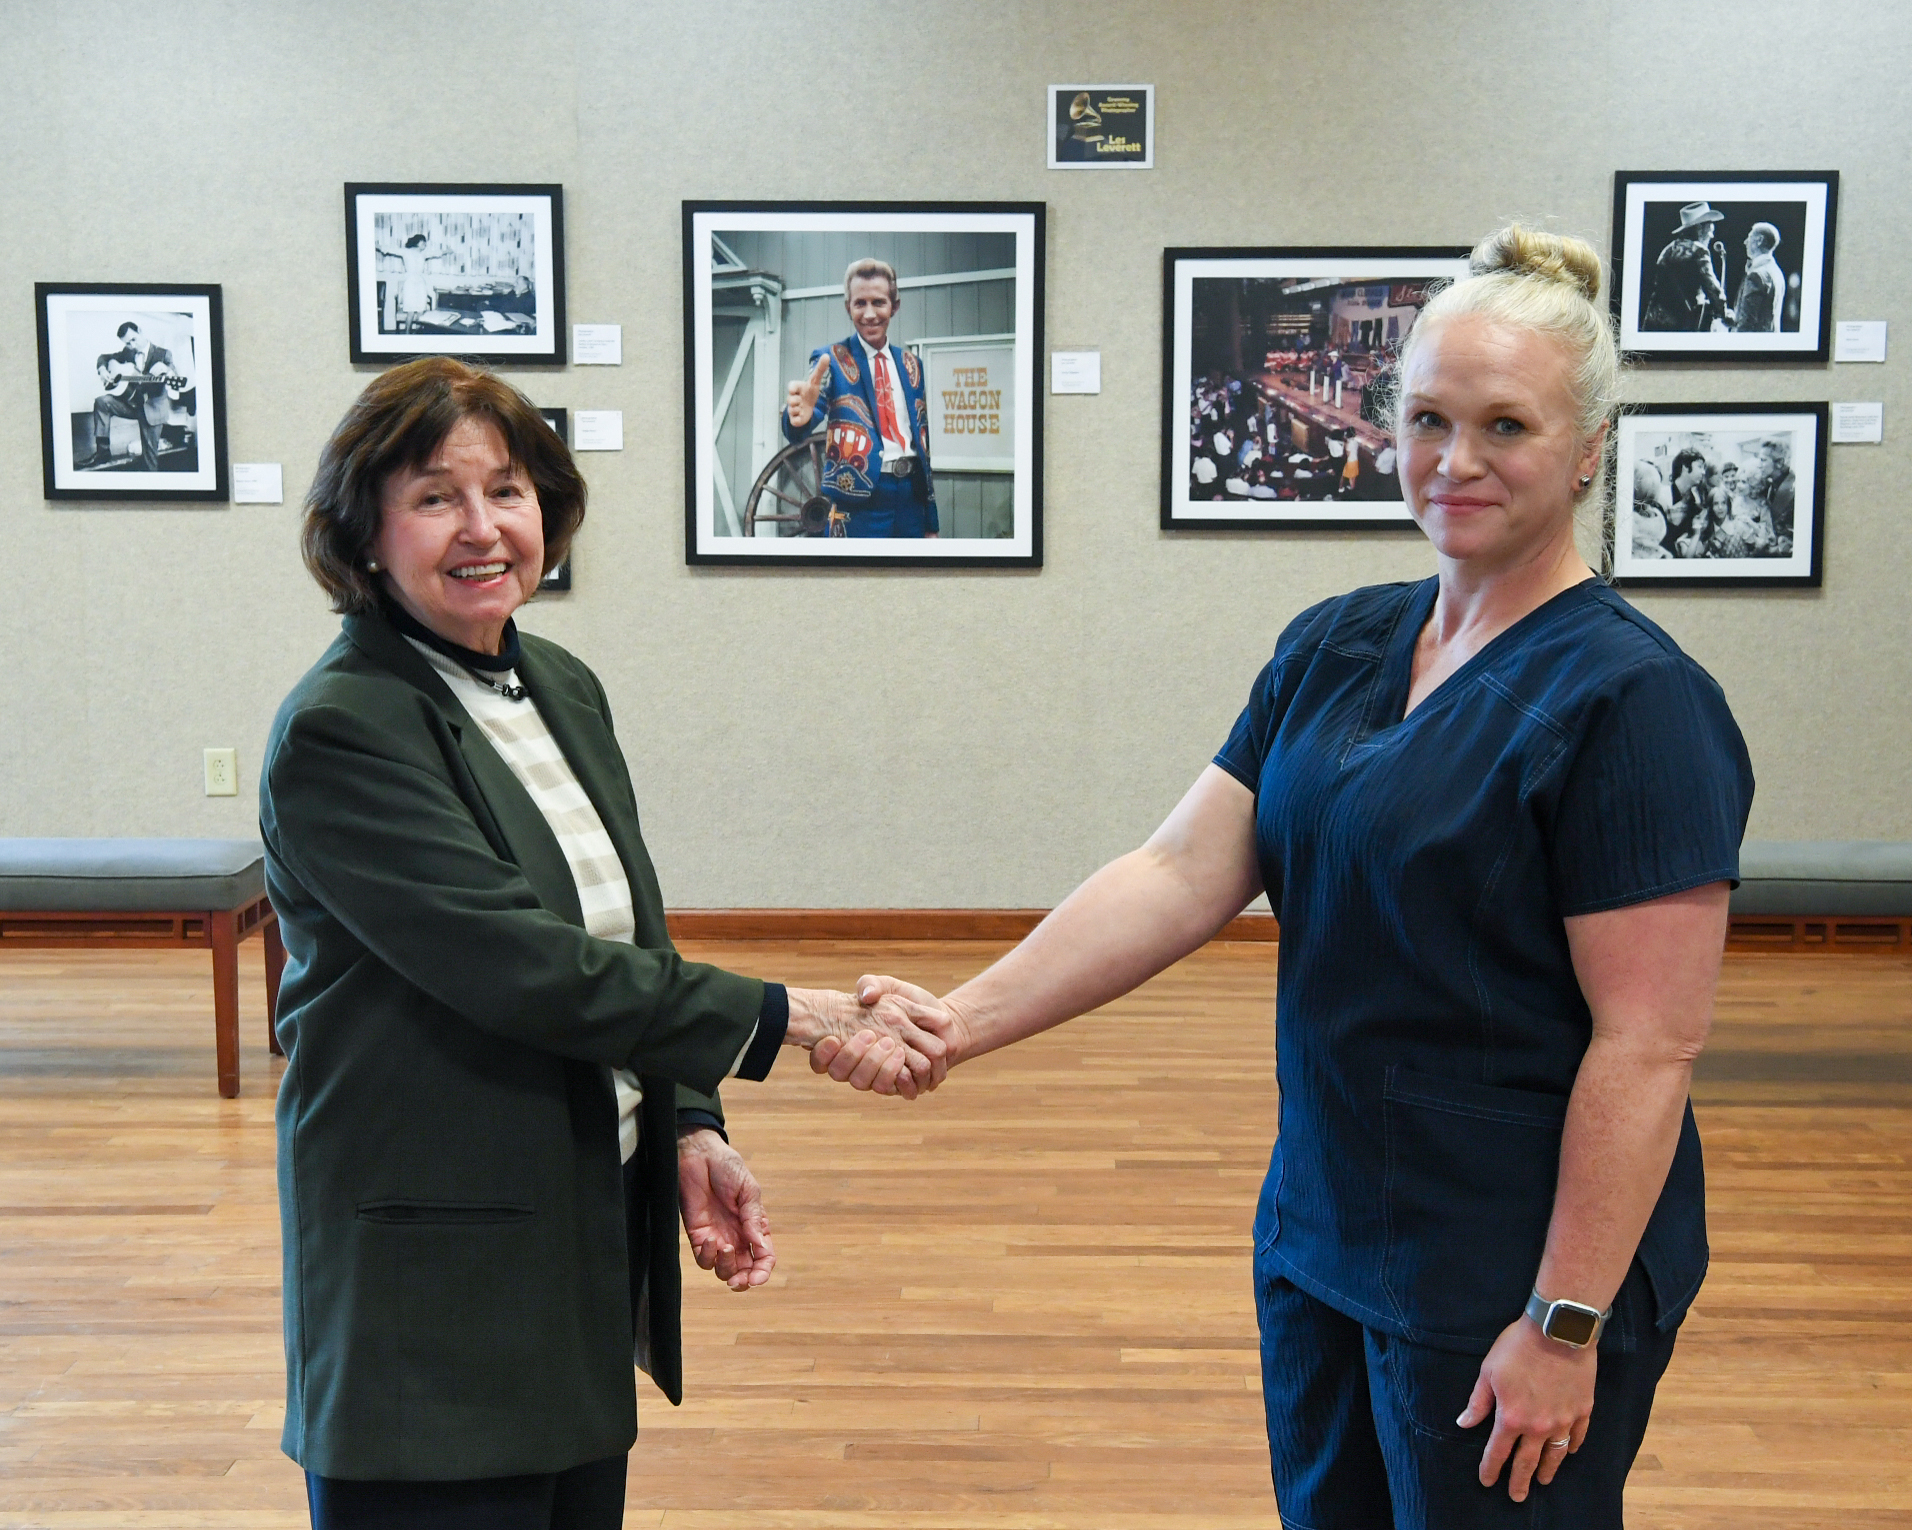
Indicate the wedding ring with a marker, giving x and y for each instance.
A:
(1559, 1444)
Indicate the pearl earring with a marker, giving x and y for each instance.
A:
(371, 565)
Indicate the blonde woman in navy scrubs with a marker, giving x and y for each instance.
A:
(1498, 813)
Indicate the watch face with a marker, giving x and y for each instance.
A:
(1572, 1325)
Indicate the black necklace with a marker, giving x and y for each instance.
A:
(480, 666)
(509, 692)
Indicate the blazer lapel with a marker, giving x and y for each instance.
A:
(515, 816)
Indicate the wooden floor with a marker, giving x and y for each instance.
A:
(1021, 1303)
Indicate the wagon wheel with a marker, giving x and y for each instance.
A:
(789, 492)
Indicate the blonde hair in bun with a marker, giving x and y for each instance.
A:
(1547, 284)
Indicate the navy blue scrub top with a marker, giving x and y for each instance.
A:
(1428, 1022)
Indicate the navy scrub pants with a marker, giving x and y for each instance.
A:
(1361, 1431)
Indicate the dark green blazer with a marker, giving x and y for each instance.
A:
(461, 1264)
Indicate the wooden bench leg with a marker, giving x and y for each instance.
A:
(275, 965)
(221, 925)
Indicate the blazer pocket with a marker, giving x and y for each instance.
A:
(1471, 1170)
(442, 1213)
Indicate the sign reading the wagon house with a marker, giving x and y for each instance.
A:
(971, 412)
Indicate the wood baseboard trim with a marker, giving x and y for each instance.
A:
(893, 924)
(1745, 933)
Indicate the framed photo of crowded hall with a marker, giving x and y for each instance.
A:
(475, 272)
(861, 384)
(1720, 494)
(132, 391)
(1724, 266)
(1277, 374)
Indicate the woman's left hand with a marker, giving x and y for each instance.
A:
(723, 1210)
(1538, 1390)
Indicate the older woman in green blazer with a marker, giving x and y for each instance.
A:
(501, 1080)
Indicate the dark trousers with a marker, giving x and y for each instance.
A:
(587, 1497)
(105, 409)
(894, 510)
(1361, 1432)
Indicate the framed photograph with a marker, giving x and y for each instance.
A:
(1719, 494)
(469, 271)
(132, 391)
(559, 578)
(1101, 127)
(1277, 373)
(1724, 266)
(861, 383)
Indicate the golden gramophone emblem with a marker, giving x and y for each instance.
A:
(1085, 119)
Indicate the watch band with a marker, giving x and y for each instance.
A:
(1573, 1324)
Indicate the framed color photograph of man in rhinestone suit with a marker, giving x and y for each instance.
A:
(862, 383)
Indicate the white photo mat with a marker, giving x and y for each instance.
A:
(709, 540)
(544, 343)
(1180, 510)
(80, 327)
(1656, 435)
(1636, 267)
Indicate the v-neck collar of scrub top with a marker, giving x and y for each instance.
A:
(1397, 664)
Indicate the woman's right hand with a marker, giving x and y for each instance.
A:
(800, 398)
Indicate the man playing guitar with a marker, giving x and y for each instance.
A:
(139, 382)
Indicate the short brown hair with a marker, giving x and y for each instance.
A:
(400, 421)
(869, 267)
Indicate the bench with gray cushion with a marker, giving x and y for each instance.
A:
(145, 893)
(1850, 894)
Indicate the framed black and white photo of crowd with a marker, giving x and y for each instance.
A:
(1278, 374)
(558, 578)
(1101, 127)
(1720, 495)
(132, 391)
(1724, 266)
(475, 272)
(861, 384)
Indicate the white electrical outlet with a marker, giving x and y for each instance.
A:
(222, 772)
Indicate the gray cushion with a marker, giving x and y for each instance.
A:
(1854, 878)
(130, 875)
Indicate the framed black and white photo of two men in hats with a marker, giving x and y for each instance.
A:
(1724, 266)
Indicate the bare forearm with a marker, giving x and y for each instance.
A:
(1649, 972)
(1623, 1124)
(1134, 917)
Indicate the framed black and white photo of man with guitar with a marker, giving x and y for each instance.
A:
(132, 391)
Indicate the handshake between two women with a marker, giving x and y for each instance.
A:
(890, 1038)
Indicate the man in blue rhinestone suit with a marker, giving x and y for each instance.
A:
(869, 395)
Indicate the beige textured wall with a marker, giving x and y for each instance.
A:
(888, 738)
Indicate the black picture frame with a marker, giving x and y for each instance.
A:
(1681, 526)
(485, 322)
(1302, 483)
(1669, 312)
(795, 253)
(164, 443)
(558, 580)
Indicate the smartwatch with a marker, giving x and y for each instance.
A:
(1573, 1324)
